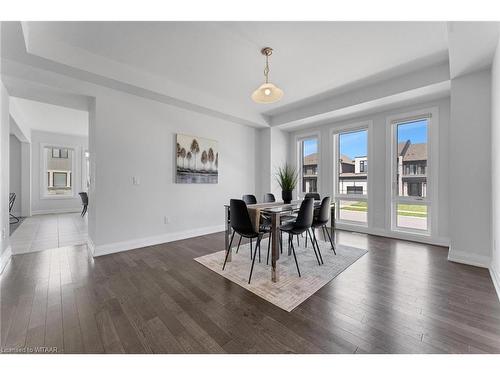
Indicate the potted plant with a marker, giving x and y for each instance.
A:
(287, 179)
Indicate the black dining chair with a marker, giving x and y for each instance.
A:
(269, 197)
(249, 199)
(85, 202)
(314, 196)
(241, 224)
(301, 225)
(12, 199)
(321, 221)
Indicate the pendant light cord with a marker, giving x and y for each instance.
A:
(266, 69)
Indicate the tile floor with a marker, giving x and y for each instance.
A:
(42, 232)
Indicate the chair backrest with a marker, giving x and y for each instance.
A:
(249, 199)
(240, 219)
(324, 211)
(269, 197)
(314, 196)
(85, 198)
(305, 215)
(12, 199)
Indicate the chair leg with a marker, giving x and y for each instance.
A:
(227, 251)
(250, 248)
(268, 247)
(239, 243)
(298, 243)
(306, 239)
(317, 246)
(331, 242)
(295, 257)
(253, 260)
(324, 234)
(258, 243)
(314, 248)
(281, 243)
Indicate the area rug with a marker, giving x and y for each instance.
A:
(290, 290)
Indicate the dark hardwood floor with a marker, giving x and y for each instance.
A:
(401, 297)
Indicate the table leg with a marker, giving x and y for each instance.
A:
(228, 234)
(275, 219)
(332, 222)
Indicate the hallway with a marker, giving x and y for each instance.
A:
(42, 232)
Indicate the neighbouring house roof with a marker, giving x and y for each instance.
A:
(346, 159)
(311, 159)
(412, 151)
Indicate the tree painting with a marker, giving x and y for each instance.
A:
(204, 158)
(195, 149)
(183, 155)
(178, 151)
(197, 160)
(211, 157)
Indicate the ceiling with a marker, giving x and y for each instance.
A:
(213, 67)
(34, 115)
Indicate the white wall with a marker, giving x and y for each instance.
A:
(470, 169)
(279, 156)
(4, 174)
(495, 169)
(15, 173)
(133, 136)
(40, 205)
(377, 164)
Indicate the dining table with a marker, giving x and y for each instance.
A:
(275, 211)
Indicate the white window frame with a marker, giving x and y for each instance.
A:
(392, 198)
(43, 171)
(337, 197)
(299, 150)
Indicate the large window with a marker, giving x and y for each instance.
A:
(351, 176)
(308, 165)
(411, 202)
(58, 169)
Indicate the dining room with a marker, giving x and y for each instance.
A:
(245, 197)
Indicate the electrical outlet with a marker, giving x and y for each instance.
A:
(166, 220)
(136, 180)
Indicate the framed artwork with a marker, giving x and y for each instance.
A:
(197, 160)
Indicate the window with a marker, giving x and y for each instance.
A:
(86, 171)
(308, 165)
(351, 176)
(59, 153)
(410, 158)
(58, 167)
(363, 166)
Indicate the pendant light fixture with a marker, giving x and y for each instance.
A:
(267, 92)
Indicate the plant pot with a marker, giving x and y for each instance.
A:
(286, 196)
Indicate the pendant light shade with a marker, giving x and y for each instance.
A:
(267, 92)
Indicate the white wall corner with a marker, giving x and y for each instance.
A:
(116, 247)
(495, 277)
(90, 246)
(466, 257)
(5, 258)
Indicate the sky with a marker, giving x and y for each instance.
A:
(415, 131)
(356, 143)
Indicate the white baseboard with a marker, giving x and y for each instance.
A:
(98, 250)
(56, 211)
(5, 258)
(495, 277)
(468, 258)
(439, 241)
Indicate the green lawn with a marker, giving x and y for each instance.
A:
(414, 210)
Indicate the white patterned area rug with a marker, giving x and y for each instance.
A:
(290, 290)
